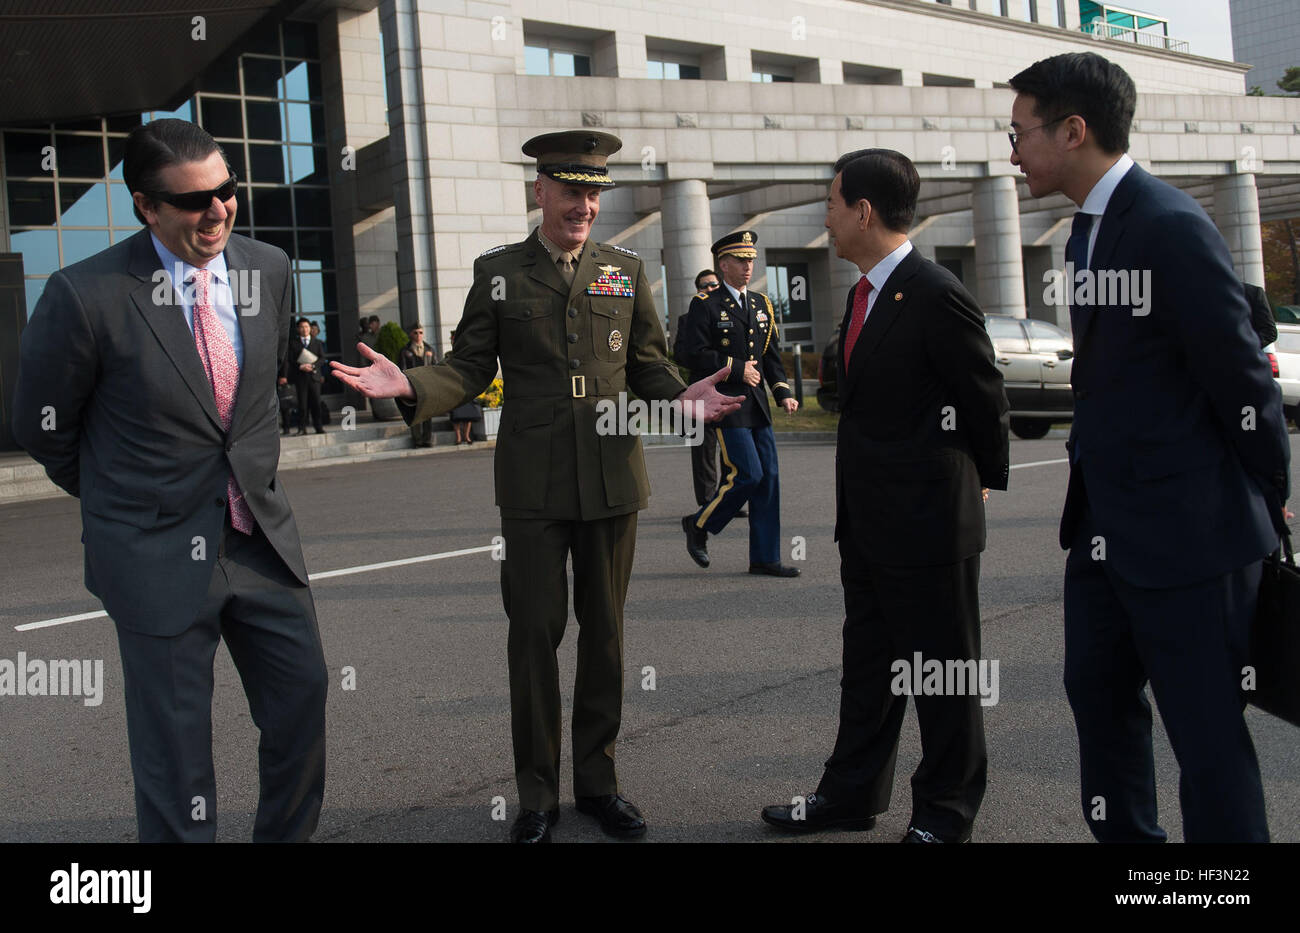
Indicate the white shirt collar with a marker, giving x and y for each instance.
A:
(1099, 196)
(170, 261)
(734, 294)
(882, 270)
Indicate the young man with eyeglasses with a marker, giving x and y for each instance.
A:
(1179, 468)
(147, 389)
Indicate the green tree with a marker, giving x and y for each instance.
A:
(1290, 82)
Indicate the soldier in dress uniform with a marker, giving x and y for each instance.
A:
(572, 322)
(735, 328)
(704, 455)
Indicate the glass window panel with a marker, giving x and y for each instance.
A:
(315, 249)
(184, 112)
(91, 125)
(783, 79)
(81, 244)
(304, 161)
(241, 206)
(235, 159)
(280, 238)
(262, 76)
(331, 291)
(536, 60)
(221, 117)
(670, 71)
(271, 207)
(690, 71)
(562, 64)
(120, 204)
(311, 292)
(654, 69)
(123, 124)
(83, 205)
(31, 204)
(120, 235)
(295, 81)
(79, 156)
(264, 120)
(298, 120)
(264, 41)
(40, 249)
(582, 65)
(34, 288)
(300, 39)
(268, 163)
(116, 152)
(23, 155)
(223, 77)
(313, 81)
(313, 206)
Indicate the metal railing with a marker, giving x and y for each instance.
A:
(1102, 30)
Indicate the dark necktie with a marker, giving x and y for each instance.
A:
(1076, 248)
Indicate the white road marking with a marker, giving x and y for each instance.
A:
(346, 571)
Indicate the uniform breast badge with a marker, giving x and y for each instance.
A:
(615, 341)
(612, 283)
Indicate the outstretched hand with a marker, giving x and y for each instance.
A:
(704, 402)
(381, 379)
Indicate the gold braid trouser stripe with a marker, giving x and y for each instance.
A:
(724, 488)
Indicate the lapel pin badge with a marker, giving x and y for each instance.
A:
(898, 296)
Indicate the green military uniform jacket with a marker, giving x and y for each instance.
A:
(562, 350)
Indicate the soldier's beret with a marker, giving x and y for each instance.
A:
(576, 157)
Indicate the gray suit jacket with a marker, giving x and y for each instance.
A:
(113, 401)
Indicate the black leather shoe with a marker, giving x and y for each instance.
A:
(697, 541)
(818, 813)
(915, 835)
(742, 513)
(617, 816)
(534, 826)
(774, 570)
(302, 432)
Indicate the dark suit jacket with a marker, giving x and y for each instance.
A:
(1178, 442)
(924, 422)
(137, 434)
(289, 365)
(718, 332)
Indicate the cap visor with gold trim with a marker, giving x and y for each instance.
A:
(576, 157)
(738, 245)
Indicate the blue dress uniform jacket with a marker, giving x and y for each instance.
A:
(718, 333)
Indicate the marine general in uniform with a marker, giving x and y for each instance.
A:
(572, 322)
(734, 327)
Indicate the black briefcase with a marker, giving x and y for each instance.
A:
(1275, 637)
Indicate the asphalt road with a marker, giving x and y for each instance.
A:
(746, 669)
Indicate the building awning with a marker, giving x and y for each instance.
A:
(68, 59)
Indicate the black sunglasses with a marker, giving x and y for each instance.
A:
(198, 200)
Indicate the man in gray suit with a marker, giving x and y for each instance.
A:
(147, 388)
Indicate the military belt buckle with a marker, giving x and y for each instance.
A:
(579, 386)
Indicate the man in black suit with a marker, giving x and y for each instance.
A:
(704, 455)
(734, 328)
(1179, 468)
(147, 388)
(924, 425)
(305, 375)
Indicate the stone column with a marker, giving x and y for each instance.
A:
(687, 234)
(998, 264)
(1236, 214)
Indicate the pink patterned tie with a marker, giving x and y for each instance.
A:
(217, 354)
